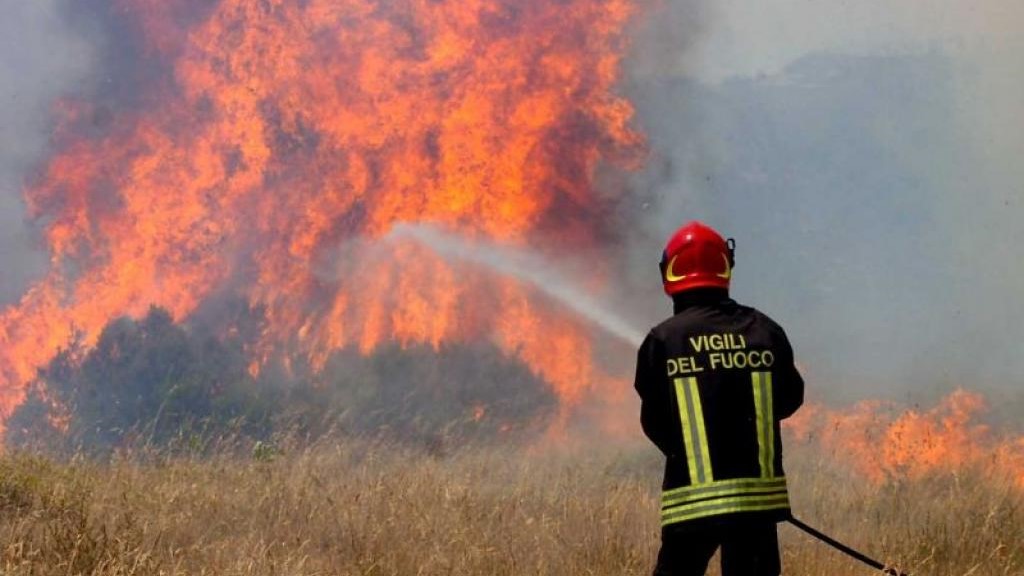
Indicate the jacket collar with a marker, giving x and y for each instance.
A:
(699, 297)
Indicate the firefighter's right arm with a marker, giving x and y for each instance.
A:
(652, 386)
(789, 394)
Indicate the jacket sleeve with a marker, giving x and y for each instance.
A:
(789, 385)
(655, 399)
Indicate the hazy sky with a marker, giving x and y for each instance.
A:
(747, 37)
(866, 155)
(41, 58)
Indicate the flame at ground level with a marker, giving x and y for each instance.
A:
(884, 442)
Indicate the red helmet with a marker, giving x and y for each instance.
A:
(697, 257)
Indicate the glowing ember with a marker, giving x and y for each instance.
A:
(479, 412)
(284, 132)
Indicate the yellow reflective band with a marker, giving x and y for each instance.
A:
(702, 435)
(722, 488)
(674, 502)
(687, 425)
(726, 485)
(691, 415)
(750, 503)
(727, 502)
(762, 382)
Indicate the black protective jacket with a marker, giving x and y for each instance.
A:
(715, 379)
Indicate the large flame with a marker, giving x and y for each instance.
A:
(275, 140)
(282, 134)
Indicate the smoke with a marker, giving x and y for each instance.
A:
(866, 158)
(42, 57)
(56, 51)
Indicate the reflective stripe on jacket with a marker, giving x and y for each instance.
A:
(715, 380)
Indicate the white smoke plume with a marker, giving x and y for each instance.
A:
(866, 156)
(42, 57)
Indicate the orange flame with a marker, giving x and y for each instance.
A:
(284, 131)
(884, 443)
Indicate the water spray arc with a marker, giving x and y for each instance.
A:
(535, 271)
(526, 267)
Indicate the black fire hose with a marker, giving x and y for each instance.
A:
(845, 549)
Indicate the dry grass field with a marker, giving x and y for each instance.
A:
(360, 507)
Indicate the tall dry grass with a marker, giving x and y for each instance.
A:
(359, 507)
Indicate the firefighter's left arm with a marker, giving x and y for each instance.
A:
(653, 389)
(788, 391)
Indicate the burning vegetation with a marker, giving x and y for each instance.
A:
(885, 442)
(219, 247)
(153, 383)
(268, 141)
(280, 377)
(336, 508)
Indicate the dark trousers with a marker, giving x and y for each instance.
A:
(749, 548)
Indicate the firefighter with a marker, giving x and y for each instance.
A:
(714, 381)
